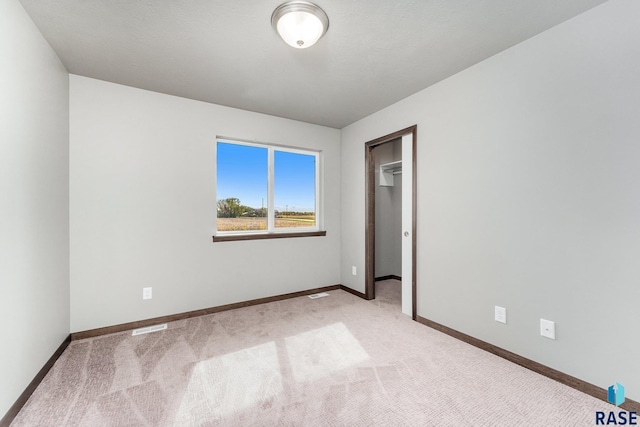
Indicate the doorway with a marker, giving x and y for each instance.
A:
(389, 172)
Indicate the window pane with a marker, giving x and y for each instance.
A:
(241, 187)
(294, 190)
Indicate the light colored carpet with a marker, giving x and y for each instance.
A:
(334, 361)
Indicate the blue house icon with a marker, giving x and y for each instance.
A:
(616, 394)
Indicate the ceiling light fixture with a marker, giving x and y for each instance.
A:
(299, 23)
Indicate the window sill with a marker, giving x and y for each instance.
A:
(236, 237)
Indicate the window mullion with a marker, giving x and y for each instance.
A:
(270, 192)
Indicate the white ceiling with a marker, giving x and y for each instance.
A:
(375, 53)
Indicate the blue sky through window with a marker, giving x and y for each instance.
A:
(242, 173)
(295, 182)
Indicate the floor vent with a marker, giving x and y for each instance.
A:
(148, 329)
(314, 296)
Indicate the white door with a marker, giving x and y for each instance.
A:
(407, 224)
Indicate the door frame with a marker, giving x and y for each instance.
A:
(370, 213)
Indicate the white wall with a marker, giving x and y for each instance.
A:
(528, 196)
(34, 202)
(143, 208)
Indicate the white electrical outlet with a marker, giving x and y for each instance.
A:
(548, 329)
(353, 270)
(147, 293)
(501, 314)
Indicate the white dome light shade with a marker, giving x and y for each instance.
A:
(300, 29)
(300, 23)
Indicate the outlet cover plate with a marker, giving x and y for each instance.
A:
(548, 329)
(147, 293)
(501, 314)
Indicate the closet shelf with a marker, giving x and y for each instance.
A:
(387, 171)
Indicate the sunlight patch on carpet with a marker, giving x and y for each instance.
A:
(223, 385)
(318, 353)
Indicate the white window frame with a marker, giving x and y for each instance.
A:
(271, 149)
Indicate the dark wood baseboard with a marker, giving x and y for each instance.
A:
(26, 394)
(353, 291)
(561, 377)
(186, 315)
(392, 276)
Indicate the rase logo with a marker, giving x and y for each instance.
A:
(615, 396)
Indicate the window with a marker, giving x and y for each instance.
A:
(264, 189)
